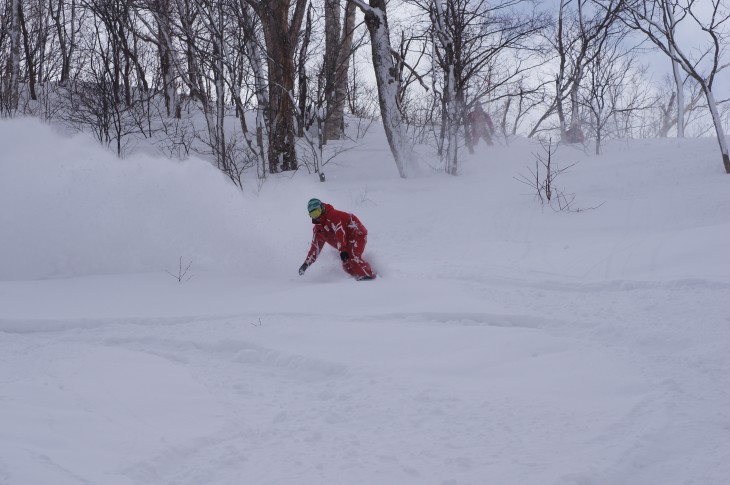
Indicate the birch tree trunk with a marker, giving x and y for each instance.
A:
(13, 82)
(220, 103)
(575, 132)
(387, 82)
(453, 122)
(559, 80)
(259, 76)
(337, 115)
(717, 120)
(451, 108)
(680, 99)
(677, 77)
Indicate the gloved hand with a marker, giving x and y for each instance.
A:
(344, 255)
(303, 268)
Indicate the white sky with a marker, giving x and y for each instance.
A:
(692, 38)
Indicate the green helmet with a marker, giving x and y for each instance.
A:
(315, 208)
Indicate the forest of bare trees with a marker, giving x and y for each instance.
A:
(260, 87)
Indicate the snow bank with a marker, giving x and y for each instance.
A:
(71, 208)
(661, 213)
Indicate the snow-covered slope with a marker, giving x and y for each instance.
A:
(503, 342)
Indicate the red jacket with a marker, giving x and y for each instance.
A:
(336, 228)
(480, 119)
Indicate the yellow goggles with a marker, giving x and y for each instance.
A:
(315, 213)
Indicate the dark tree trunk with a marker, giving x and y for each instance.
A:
(167, 63)
(332, 14)
(281, 34)
(302, 75)
(337, 115)
(29, 58)
(282, 156)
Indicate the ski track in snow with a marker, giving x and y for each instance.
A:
(288, 414)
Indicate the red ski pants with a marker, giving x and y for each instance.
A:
(355, 265)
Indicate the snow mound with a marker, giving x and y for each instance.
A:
(72, 208)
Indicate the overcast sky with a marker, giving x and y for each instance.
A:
(692, 39)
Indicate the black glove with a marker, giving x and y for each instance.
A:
(303, 268)
(344, 255)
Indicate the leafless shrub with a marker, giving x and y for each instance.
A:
(543, 181)
(182, 273)
(177, 137)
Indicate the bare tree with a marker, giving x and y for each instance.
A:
(200, 32)
(66, 20)
(471, 38)
(610, 73)
(249, 30)
(679, 83)
(325, 105)
(411, 51)
(212, 17)
(11, 86)
(660, 20)
(280, 34)
(161, 35)
(577, 31)
(332, 33)
(98, 102)
(521, 100)
(665, 103)
(336, 112)
(447, 60)
(35, 30)
(361, 99)
(387, 82)
(303, 77)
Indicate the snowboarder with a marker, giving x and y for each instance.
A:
(342, 231)
(481, 125)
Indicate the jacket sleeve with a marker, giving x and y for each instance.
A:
(315, 248)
